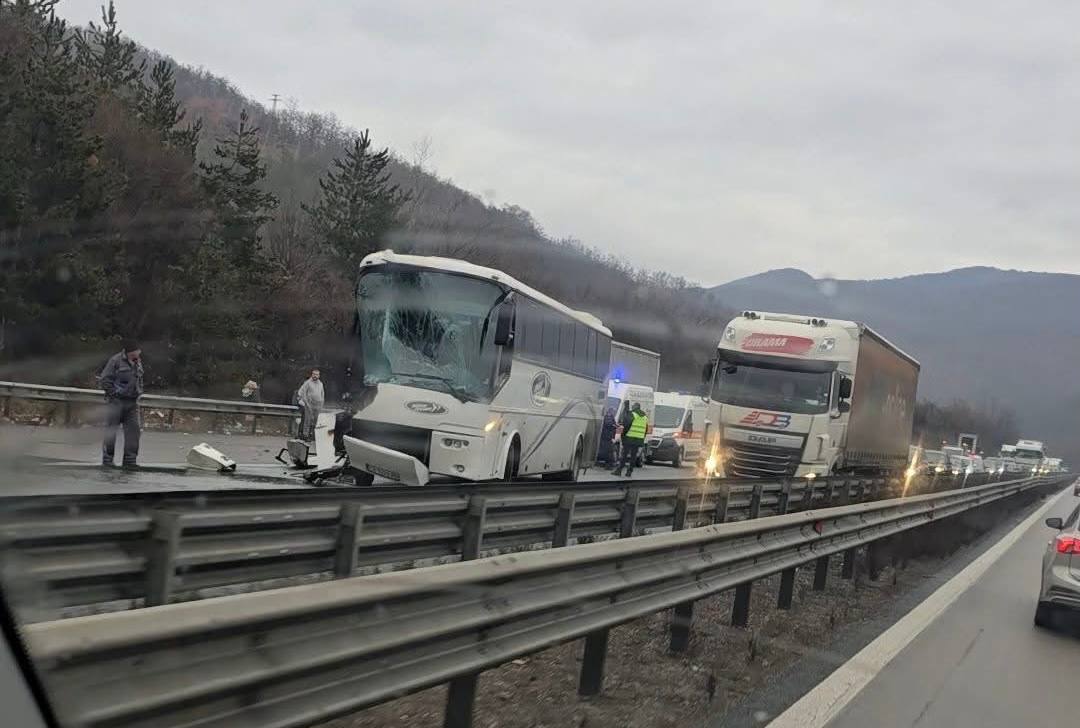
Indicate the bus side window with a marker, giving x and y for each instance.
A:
(688, 425)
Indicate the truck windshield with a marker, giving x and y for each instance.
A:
(667, 416)
(427, 329)
(1028, 454)
(775, 389)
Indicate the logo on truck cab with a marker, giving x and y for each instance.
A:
(766, 419)
(777, 343)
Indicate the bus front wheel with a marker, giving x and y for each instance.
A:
(510, 470)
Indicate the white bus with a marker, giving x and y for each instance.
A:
(462, 371)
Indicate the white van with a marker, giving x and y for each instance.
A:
(678, 427)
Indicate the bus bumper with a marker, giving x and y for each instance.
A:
(385, 463)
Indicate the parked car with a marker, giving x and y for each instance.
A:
(1060, 587)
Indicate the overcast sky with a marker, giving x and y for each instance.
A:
(712, 140)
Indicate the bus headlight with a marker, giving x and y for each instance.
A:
(454, 443)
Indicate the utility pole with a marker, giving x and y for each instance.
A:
(274, 98)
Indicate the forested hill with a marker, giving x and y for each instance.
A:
(141, 198)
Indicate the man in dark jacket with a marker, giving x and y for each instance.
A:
(122, 380)
(607, 436)
(635, 424)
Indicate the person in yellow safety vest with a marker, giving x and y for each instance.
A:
(635, 424)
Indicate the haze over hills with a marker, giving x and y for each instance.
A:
(981, 334)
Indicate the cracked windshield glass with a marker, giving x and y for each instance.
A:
(580, 365)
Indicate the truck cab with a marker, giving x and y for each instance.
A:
(802, 396)
(678, 427)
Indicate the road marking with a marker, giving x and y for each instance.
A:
(823, 703)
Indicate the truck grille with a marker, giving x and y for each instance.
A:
(760, 461)
(414, 441)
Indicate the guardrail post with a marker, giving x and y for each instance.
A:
(591, 680)
(461, 694)
(563, 516)
(683, 614)
(723, 493)
(784, 499)
(472, 535)
(460, 698)
(629, 513)
(821, 573)
(592, 663)
(755, 500)
(67, 412)
(169, 417)
(787, 589)
(682, 505)
(847, 571)
(165, 529)
(740, 610)
(873, 560)
(254, 424)
(350, 524)
(7, 408)
(787, 576)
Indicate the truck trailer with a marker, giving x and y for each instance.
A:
(802, 396)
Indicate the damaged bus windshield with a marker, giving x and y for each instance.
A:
(428, 329)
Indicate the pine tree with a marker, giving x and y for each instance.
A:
(109, 59)
(358, 205)
(161, 110)
(232, 182)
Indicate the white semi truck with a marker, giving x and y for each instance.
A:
(802, 396)
(1029, 455)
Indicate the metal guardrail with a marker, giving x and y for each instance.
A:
(76, 395)
(302, 655)
(153, 548)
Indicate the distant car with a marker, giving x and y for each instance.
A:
(1060, 587)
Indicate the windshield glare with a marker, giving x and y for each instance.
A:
(667, 416)
(427, 329)
(775, 389)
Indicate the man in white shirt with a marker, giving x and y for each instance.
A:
(310, 397)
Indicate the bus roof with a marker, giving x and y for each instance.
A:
(453, 265)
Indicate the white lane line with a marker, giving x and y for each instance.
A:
(824, 702)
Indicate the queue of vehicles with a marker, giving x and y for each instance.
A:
(463, 372)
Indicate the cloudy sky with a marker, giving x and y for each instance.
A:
(713, 140)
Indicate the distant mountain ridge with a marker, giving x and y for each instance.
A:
(981, 334)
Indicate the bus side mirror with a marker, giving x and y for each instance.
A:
(845, 387)
(504, 324)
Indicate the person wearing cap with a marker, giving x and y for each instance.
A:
(122, 381)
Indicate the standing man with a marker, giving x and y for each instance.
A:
(311, 398)
(122, 380)
(635, 423)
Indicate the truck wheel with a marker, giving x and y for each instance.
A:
(676, 462)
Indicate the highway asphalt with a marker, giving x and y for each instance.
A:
(978, 661)
(25, 453)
